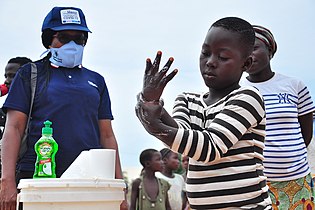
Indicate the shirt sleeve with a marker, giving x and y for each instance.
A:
(181, 112)
(242, 111)
(305, 102)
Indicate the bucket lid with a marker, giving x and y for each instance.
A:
(62, 183)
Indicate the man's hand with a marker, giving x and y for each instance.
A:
(8, 194)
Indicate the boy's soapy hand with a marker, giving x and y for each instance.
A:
(149, 113)
(154, 81)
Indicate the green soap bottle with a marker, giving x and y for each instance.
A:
(46, 148)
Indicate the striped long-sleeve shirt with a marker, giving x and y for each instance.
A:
(225, 143)
(286, 99)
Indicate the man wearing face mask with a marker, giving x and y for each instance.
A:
(73, 97)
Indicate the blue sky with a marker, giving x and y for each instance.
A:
(126, 32)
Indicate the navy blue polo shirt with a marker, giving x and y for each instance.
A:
(72, 99)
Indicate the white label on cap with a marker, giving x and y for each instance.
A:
(70, 16)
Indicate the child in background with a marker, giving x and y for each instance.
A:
(222, 130)
(12, 67)
(180, 169)
(148, 191)
(185, 162)
(176, 194)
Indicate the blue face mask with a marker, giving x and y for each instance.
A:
(69, 55)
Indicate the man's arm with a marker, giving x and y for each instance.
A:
(11, 141)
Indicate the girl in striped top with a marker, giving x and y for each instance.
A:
(289, 128)
(223, 130)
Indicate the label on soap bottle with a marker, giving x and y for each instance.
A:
(45, 150)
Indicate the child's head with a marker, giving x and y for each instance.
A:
(151, 159)
(185, 161)
(170, 159)
(12, 67)
(226, 51)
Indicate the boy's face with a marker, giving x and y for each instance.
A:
(172, 161)
(261, 58)
(185, 161)
(222, 59)
(9, 73)
(156, 162)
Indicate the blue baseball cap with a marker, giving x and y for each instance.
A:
(65, 18)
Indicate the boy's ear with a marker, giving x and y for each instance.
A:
(147, 164)
(270, 53)
(248, 63)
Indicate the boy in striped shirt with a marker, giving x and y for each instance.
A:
(222, 130)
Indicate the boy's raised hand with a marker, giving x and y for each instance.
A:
(154, 81)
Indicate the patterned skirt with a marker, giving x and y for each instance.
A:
(298, 194)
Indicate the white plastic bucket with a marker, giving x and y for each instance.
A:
(71, 194)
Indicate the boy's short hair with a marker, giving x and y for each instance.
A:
(20, 60)
(241, 27)
(146, 155)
